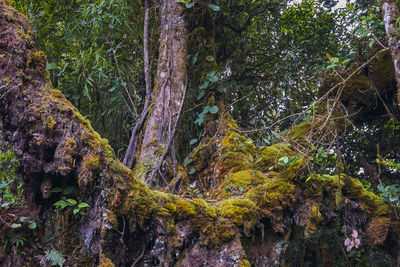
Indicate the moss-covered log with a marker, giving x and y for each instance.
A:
(260, 213)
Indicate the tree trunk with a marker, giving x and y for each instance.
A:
(168, 95)
(279, 216)
(390, 14)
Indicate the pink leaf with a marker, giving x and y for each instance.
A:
(354, 234)
(357, 242)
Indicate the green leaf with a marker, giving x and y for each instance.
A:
(251, 158)
(187, 161)
(15, 225)
(211, 74)
(324, 154)
(292, 160)
(214, 109)
(201, 95)
(214, 7)
(371, 43)
(61, 204)
(210, 58)
(214, 79)
(192, 171)
(32, 225)
(346, 61)
(189, 5)
(75, 211)
(193, 141)
(194, 59)
(56, 190)
(22, 219)
(308, 179)
(220, 90)
(331, 66)
(381, 188)
(68, 190)
(71, 201)
(83, 205)
(282, 161)
(204, 85)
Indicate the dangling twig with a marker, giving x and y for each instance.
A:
(130, 152)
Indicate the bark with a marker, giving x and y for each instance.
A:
(168, 93)
(390, 14)
(128, 224)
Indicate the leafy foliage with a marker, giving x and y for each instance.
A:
(10, 185)
(54, 257)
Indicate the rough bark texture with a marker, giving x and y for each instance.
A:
(390, 14)
(278, 217)
(169, 90)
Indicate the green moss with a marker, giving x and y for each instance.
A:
(368, 201)
(244, 263)
(36, 60)
(105, 262)
(240, 211)
(272, 199)
(242, 181)
(92, 162)
(171, 207)
(50, 122)
(300, 131)
(185, 208)
(324, 189)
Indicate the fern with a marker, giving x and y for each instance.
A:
(55, 257)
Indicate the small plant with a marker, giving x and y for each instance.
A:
(54, 257)
(193, 191)
(17, 240)
(285, 160)
(10, 185)
(236, 189)
(64, 202)
(353, 241)
(32, 224)
(202, 115)
(390, 193)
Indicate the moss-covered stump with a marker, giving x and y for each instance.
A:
(259, 212)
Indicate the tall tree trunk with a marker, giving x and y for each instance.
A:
(390, 12)
(168, 94)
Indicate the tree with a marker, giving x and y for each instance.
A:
(168, 94)
(261, 209)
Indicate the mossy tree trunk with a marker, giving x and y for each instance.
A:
(168, 95)
(391, 13)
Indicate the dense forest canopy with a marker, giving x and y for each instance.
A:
(250, 133)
